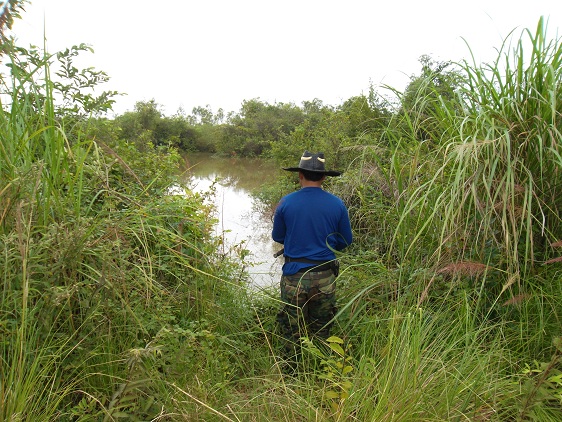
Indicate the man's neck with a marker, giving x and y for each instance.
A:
(309, 184)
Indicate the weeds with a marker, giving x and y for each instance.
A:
(116, 303)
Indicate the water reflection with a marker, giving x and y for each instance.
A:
(233, 180)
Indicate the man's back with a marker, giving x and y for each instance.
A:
(312, 223)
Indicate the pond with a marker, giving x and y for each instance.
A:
(234, 180)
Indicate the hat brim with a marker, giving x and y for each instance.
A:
(326, 172)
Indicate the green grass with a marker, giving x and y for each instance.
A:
(117, 304)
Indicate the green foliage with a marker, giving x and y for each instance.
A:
(10, 10)
(72, 89)
(365, 116)
(336, 367)
(428, 96)
(483, 187)
(521, 130)
(256, 126)
(97, 255)
(75, 83)
(541, 386)
(146, 126)
(117, 303)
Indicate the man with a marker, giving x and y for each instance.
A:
(311, 224)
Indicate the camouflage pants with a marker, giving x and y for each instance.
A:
(310, 305)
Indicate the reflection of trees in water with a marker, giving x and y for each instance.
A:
(246, 173)
(234, 181)
(261, 224)
(229, 181)
(240, 216)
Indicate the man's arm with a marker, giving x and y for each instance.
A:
(279, 227)
(344, 230)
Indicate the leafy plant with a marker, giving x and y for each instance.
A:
(542, 387)
(336, 369)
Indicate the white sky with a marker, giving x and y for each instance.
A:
(192, 53)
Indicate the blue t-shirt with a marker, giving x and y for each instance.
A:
(306, 222)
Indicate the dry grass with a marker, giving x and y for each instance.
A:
(465, 268)
(553, 260)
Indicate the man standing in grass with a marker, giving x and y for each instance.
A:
(311, 224)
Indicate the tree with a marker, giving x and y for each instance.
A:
(205, 116)
(363, 114)
(9, 10)
(148, 114)
(76, 86)
(258, 125)
(425, 95)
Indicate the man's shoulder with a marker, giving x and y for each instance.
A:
(311, 193)
(333, 196)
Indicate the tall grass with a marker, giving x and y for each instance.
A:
(116, 303)
(516, 108)
(490, 193)
(472, 173)
(429, 365)
(98, 275)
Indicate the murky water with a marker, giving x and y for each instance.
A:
(234, 179)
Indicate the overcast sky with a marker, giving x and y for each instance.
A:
(188, 53)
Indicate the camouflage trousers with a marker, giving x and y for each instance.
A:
(309, 305)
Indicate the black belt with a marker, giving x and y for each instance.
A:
(316, 265)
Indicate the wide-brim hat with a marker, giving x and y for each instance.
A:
(314, 163)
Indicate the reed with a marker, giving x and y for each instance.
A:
(489, 190)
(475, 180)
